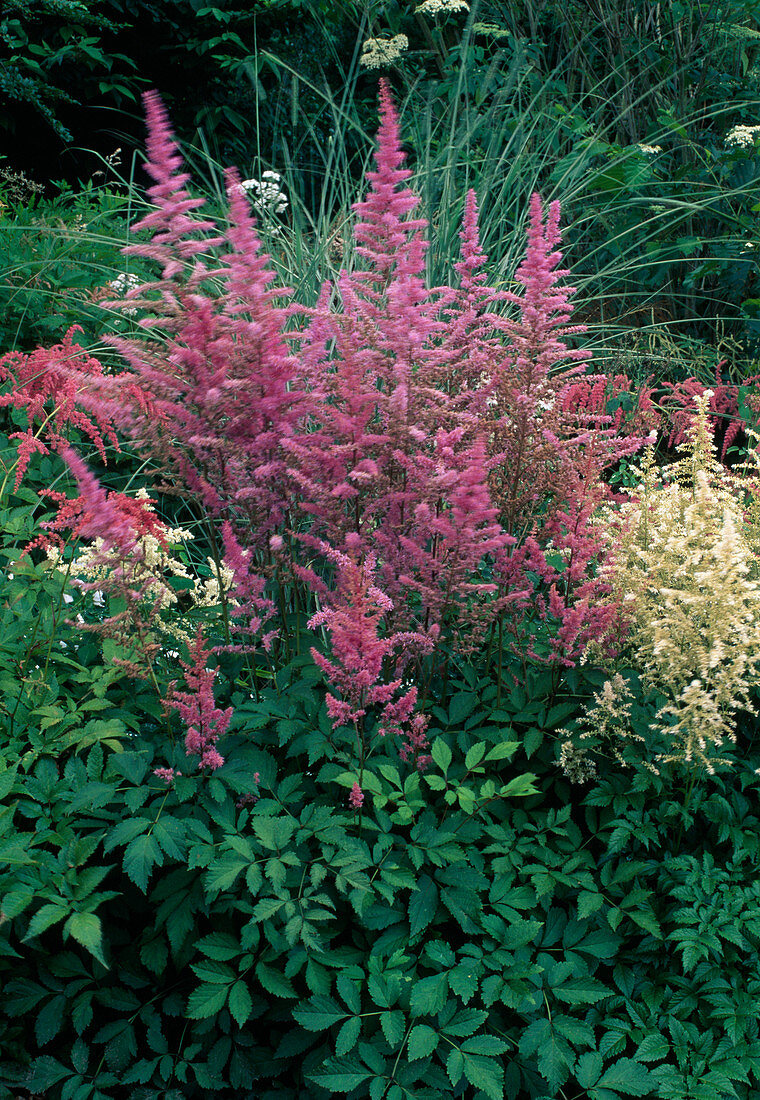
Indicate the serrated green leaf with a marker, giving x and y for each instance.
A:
(7, 779)
(589, 902)
(505, 750)
(462, 705)
(581, 991)
(219, 945)
(646, 919)
(44, 918)
(474, 755)
(435, 782)
(206, 1001)
(628, 1077)
(348, 1036)
(422, 1041)
(465, 1022)
(141, 856)
(423, 905)
(170, 834)
(50, 1020)
(341, 1074)
(488, 1045)
(589, 1069)
(485, 1074)
(266, 908)
(392, 1024)
(274, 982)
(455, 1066)
(240, 1003)
(652, 1048)
(213, 972)
(463, 980)
(532, 740)
(86, 929)
(16, 901)
(519, 787)
(319, 1013)
(222, 873)
(555, 1057)
(429, 995)
(349, 993)
(441, 754)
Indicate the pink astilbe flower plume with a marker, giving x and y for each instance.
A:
(473, 342)
(250, 608)
(373, 469)
(175, 235)
(216, 379)
(357, 607)
(385, 237)
(47, 385)
(100, 516)
(205, 722)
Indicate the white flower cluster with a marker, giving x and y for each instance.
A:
(743, 136)
(124, 282)
(377, 52)
(650, 149)
(266, 194)
(121, 285)
(152, 569)
(440, 7)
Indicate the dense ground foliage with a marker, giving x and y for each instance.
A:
(377, 667)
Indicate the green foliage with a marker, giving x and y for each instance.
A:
(59, 256)
(475, 931)
(43, 40)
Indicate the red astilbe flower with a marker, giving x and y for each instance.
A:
(117, 520)
(600, 401)
(46, 384)
(205, 722)
(352, 618)
(115, 523)
(725, 418)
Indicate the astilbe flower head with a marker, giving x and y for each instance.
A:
(47, 385)
(392, 446)
(250, 608)
(356, 797)
(204, 721)
(175, 235)
(681, 565)
(725, 420)
(209, 391)
(352, 619)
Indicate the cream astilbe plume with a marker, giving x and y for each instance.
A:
(681, 563)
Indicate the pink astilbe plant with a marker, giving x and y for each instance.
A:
(249, 607)
(47, 385)
(204, 721)
(214, 368)
(392, 445)
(361, 655)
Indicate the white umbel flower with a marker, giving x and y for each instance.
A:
(377, 52)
